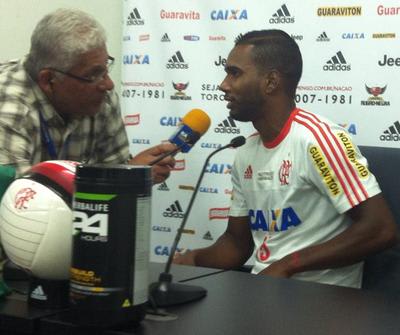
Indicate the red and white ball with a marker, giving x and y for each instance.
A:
(36, 219)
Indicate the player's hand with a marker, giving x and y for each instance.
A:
(185, 257)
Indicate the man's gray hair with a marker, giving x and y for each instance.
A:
(60, 38)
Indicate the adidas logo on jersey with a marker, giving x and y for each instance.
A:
(165, 38)
(38, 293)
(248, 174)
(323, 37)
(392, 133)
(163, 187)
(208, 236)
(337, 63)
(177, 62)
(228, 126)
(282, 15)
(174, 211)
(134, 18)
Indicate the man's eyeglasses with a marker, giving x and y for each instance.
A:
(94, 78)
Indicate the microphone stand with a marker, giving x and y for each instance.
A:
(164, 292)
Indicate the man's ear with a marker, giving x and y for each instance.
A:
(45, 81)
(271, 81)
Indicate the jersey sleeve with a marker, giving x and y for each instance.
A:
(338, 169)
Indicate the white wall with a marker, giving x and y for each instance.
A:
(19, 17)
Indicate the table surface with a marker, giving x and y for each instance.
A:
(241, 303)
(17, 315)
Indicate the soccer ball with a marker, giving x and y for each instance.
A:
(36, 220)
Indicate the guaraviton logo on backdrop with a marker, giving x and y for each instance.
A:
(339, 11)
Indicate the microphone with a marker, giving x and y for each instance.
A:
(194, 125)
(165, 293)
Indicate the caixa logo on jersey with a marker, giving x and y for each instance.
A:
(136, 59)
(229, 14)
(218, 168)
(273, 219)
(91, 228)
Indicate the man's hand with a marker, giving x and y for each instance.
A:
(161, 170)
(284, 268)
(184, 258)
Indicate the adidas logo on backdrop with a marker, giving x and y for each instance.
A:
(134, 18)
(228, 126)
(323, 37)
(165, 38)
(208, 236)
(282, 15)
(177, 62)
(392, 133)
(174, 210)
(163, 187)
(337, 63)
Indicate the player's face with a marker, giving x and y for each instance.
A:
(242, 85)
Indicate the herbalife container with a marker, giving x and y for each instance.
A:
(111, 239)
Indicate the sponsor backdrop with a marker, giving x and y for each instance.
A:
(174, 54)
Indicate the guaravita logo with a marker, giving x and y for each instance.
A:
(392, 133)
(174, 210)
(134, 18)
(282, 15)
(228, 126)
(323, 37)
(177, 62)
(337, 63)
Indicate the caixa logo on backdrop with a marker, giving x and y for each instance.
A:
(228, 14)
(170, 121)
(163, 250)
(136, 59)
(218, 168)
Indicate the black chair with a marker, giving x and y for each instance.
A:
(382, 271)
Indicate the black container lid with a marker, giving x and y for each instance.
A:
(121, 174)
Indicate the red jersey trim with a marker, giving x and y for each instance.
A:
(284, 131)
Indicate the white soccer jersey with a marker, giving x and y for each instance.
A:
(296, 190)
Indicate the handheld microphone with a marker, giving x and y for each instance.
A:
(194, 125)
(165, 293)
